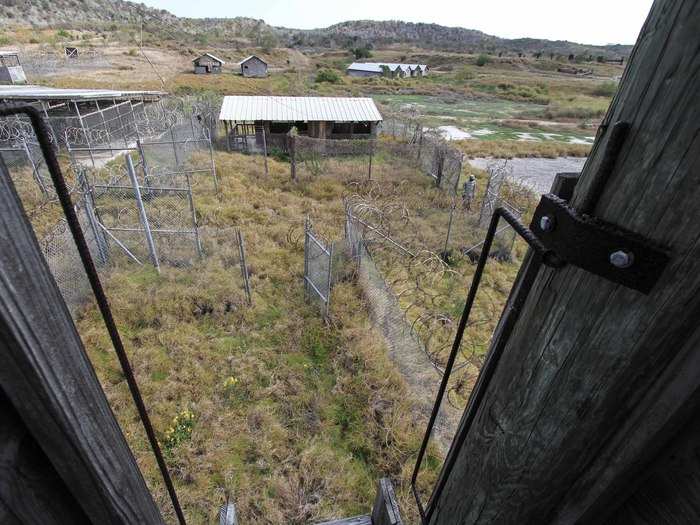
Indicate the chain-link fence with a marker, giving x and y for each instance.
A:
(318, 268)
(135, 200)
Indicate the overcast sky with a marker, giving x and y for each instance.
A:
(584, 21)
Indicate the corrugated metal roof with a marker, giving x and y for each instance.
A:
(30, 92)
(291, 109)
(376, 67)
(364, 66)
(251, 56)
(210, 56)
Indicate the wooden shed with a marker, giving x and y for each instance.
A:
(208, 63)
(253, 66)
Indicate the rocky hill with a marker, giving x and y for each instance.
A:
(112, 14)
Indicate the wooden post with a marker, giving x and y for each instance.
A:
(293, 154)
(371, 154)
(67, 460)
(597, 380)
(386, 508)
(264, 137)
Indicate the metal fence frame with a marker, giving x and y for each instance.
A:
(324, 251)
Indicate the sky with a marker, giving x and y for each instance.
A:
(585, 21)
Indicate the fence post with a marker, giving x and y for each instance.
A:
(292, 154)
(144, 164)
(142, 213)
(35, 171)
(449, 229)
(213, 165)
(198, 242)
(172, 137)
(371, 154)
(330, 279)
(244, 266)
(98, 234)
(265, 148)
(307, 227)
(420, 143)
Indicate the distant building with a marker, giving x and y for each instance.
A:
(208, 63)
(11, 71)
(386, 69)
(246, 118)
(253, 66)
(71, 52)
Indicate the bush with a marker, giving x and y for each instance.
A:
(606, 89)
(361, 52)
(327, 75)
(482, 60)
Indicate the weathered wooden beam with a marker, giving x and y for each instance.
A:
(48, 379)
(386, 508)
(596, 379)
(30, 489)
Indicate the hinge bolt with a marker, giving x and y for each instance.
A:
(547, 223)
(621, 259)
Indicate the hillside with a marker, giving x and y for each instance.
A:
(115, 14)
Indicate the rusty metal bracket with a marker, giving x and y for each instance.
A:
(598, 247)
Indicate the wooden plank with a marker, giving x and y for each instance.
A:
(30, 488)
(669, 494)
(386, 508)
(47, 377)
(596, 378)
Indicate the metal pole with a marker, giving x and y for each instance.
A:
(213, 166)
(198, 242)
(449, 229)
(89, 202)
(35, 171)
(306, 256)
(144, 164)
(293, 148)
(244, 267)
(371, 153)
(330, 280)
(142, 213)
(172, 136)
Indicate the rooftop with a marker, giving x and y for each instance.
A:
(376, 67)
(31, 92)
(292, 109)
(210, 56)
(252, 56)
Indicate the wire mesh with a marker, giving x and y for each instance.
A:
(318, 268)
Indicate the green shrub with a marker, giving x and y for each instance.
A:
(361, 52)
(482, 60)
(328, 75)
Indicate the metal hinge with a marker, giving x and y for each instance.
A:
(603, 249)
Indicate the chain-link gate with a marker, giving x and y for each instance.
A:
(318, 268)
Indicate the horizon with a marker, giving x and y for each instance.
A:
(538, 19)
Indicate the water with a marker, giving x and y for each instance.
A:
(536, 173)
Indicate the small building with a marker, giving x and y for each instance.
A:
(246, 118)
(386, 69)
(207, 64)
(253, 66)
(11, 71)
(71, 52)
